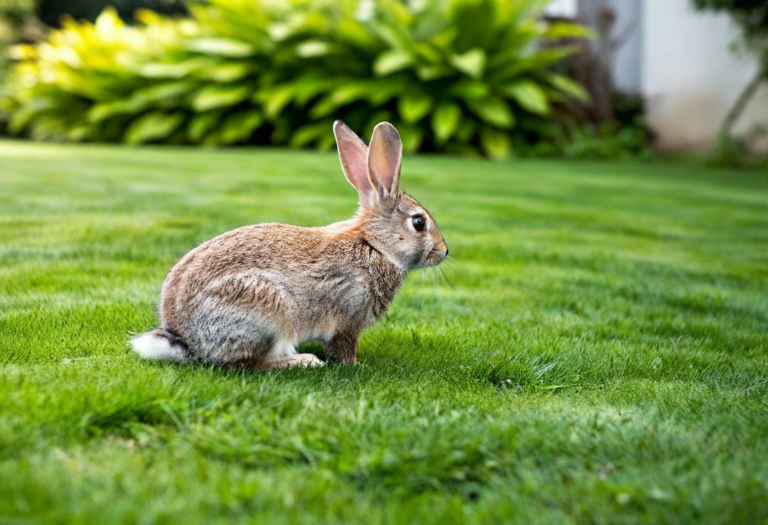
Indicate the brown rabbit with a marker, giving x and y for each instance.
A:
(248, 297)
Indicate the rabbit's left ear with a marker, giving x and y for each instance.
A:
(353, 154)
(385, 155)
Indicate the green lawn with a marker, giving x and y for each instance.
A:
(599, 356)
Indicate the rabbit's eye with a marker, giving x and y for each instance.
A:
(419, 223)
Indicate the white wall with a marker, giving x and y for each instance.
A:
(565, 8)
(627, 67)
(690, 78)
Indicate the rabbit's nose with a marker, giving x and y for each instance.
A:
(446, 251)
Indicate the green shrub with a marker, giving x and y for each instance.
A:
(734, 152)
(13, 16)
(610, 141)
(17, 23)
(468, 76)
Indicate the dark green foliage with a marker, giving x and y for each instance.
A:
(610, 142)
(17, 24)
(52, 11)
(752, 15)
(15, 13)
(730, 151)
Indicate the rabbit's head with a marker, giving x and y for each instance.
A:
(390, 220)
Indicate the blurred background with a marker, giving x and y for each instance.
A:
(497, 78)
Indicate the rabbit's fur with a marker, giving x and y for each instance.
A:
(248, 297)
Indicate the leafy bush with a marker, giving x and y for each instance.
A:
(17, 23)
(610, 141)
(734, 152)
(13, 16)
(466, 76)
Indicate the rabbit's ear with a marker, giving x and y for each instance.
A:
(385, 155)
(352, 154)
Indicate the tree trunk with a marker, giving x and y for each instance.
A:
(741, 102)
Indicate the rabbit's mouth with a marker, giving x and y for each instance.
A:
(435, 257)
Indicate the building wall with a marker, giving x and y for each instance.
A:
(690, 78)
(564, 8)
(627, 36)
(627, 67)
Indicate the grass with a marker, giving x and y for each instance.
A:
(601, 355)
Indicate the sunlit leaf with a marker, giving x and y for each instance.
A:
(413, 107)
(276, 99)
(309, 87)
(326, 142)
(543, 58)
(470, 89)
(396, 37)
(529, 95)
(433, 71)
(495, 143)
(310, 133)
(411, 138)
(239, 126)
(568, 30)
(225, 47)
(216, 96)
(99, 112)
(168, 70)
(391, 61)
(471, 63)
(226, 72)
(493, 110)
(108, 21)
(164, 91)
(79, 133)
(445, 120)
(152, 126)
(569, 87)
(344, 94)
(313, 48)
(201, 124)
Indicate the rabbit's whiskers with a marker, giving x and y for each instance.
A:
(442, 273)
(421, 288)
(436, 281)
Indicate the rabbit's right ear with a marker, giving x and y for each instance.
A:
(353, 154)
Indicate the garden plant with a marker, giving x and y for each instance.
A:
(464, 76)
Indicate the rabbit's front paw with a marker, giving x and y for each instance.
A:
(303, 360)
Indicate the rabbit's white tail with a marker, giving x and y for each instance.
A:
(157, 345)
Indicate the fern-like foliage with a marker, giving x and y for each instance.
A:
(466, 76)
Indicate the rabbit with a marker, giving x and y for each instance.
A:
(248, 297)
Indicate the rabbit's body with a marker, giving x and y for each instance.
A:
(249, 296)
(269, 287)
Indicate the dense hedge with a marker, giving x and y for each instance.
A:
(453, 75)
(50, 11)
